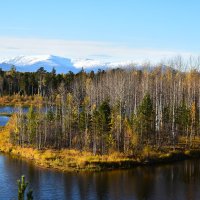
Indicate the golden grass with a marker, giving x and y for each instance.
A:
(195, 140)
(23, 100)
(66, 160)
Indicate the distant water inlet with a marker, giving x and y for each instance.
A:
(8, 110)
(3, 120)
(11, 109)
(5, 110)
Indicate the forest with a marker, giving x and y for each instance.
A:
(120, 110)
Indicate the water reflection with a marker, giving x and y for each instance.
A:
(174, 181)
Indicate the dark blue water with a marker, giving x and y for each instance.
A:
(11, 109)
(3, 120)
(174, 181)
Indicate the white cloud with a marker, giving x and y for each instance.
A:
(82, 49)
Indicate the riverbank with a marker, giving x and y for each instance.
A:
(6, 114)
(73, 160)
(65, 160)
(20, 100)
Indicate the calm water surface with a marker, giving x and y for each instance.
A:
(11, 109)
(174, 181)
(3, 120)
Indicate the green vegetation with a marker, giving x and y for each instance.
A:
(22, 186)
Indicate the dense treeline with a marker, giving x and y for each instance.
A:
(114, 110)
(32, 83)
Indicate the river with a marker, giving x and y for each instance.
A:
(180, 180)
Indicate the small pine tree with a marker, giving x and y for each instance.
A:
(105, 124)
(105, 115)
(183, 117)
(145, 117)
(31, 124)
(22, 186)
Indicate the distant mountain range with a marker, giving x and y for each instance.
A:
(61, 64)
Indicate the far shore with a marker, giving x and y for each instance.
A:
(20, 100)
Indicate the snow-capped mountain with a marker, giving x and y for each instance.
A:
(62, 65)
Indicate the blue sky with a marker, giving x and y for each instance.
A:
(104, 29)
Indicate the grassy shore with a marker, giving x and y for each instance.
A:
(65, 160)
(73, 160)
(20, 100)
(6, 114)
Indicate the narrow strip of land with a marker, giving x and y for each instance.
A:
(74, 160)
